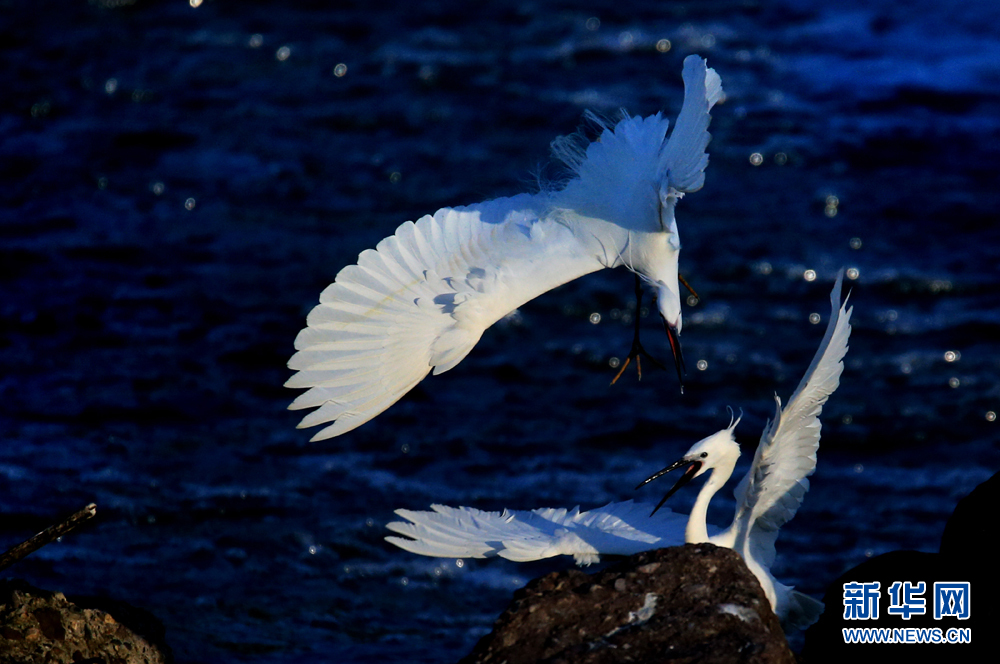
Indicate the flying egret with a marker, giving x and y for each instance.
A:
(424, 296)
(766, 498)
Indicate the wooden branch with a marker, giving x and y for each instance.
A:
(47, 536)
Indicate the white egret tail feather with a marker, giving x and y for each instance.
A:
(800, 610)
(615, 529)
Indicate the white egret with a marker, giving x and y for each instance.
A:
(424, 296)
(766, 498)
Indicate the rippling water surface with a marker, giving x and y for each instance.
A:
(180, 183)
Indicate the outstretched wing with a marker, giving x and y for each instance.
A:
(421, 300)
(615, 529)
(772, 491)
(617, 176)
(684, 158)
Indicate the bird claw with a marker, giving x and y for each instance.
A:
(637, 352)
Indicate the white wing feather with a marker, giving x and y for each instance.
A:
(772, 490)
(615, 529)
(421, 300)
(684, 158)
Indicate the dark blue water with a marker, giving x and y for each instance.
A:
(179, 184)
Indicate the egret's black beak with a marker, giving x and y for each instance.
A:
(691, 471)
(675, 348)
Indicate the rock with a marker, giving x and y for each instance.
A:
(41, 626)
(696, 603)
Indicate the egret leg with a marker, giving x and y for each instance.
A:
(637, 350)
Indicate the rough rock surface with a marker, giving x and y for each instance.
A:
(696, 603)
(41, 626)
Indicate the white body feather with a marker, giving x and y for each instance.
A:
(766, 498)
(423, 297)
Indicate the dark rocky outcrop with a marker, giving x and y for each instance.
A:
(41, 626)
(696, 603)
(968, 549)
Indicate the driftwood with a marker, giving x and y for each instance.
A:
(47, 536)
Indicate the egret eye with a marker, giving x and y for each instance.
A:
(704, 454)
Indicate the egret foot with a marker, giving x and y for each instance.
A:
(637, 350)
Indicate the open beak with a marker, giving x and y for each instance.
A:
(691, 471)
(675, 348)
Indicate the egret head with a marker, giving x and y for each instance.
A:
(720, 450)
(668, 293)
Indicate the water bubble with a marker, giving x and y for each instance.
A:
(814, 318)
(283, 53)
(852, 273)
(708, 41)
(459, 563)
(702, 365)
(781, 159)
(595, 318)
(370, 522)
(340, 70)
(158, 188)
(614, 362)
(830, 211)
(111, 85)
(312, 548)
(663, 45)
(764, 267)
(859, 468)
(954, 382)
(643, 312)
(906, 367)
(593, 23)
(991, 416)
(950, 356)
(832, 201)
(756, 159)
(438, 571)
(847, 419)
(616, 314)
(189, 204)
(626, 39)
(102, 182)
(869, 553)
(395, 177)
(195, 3)
(809, 275)
(404, 581)
(692, 300)
(626, 318)
(855, 243)
(731, 358)
(405, 448)
(255, 41)
(743, 55)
